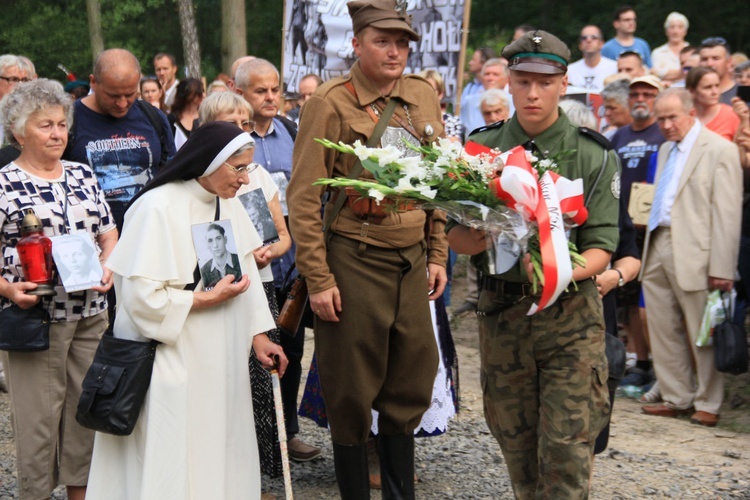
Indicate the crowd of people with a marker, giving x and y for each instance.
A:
(141, 164)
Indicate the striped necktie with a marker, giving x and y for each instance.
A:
(661, 189)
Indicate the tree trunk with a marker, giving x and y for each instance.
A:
(94, 11)
(190, 43)
(233, 33)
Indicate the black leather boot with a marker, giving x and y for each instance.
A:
(397, 466)
(352, 474)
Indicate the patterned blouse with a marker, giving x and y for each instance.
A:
(86, 211)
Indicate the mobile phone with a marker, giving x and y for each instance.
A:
(743, 92)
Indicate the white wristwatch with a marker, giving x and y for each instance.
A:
(621, 281)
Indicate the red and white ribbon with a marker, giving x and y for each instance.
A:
(547, 201)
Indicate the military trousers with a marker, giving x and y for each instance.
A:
(382, 353)
(544, 387)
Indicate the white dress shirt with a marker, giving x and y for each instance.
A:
(683, 152)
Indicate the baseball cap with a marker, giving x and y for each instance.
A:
(651, 80)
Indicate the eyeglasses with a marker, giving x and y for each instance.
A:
(645, 95)
(585, 38)
(242, 169)
(14, 79)
(714, 41)
(246, 125)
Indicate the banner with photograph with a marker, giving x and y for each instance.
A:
(318, 39)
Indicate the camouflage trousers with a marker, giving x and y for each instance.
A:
(544, 384)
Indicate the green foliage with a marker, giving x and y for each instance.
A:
(51, 33)
(493, 26)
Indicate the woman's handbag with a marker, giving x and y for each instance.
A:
(730, 346)
(24, 330)
(115, 386)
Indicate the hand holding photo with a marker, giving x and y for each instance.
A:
(217, 253)
(77, 261)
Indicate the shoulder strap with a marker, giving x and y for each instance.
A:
(289, 126)
(158, 123)
(385, 117)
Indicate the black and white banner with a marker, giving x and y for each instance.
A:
(318, 39)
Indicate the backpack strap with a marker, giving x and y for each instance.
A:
(157, 122)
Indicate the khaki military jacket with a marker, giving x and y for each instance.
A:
(335, 114)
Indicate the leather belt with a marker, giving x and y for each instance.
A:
(370, 210)
(506, 287)
(522, 290)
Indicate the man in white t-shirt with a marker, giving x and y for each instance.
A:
(590, 71)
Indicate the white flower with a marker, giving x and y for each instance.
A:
(387, 155)
(530, 157)
(404, 184)
(362, 151)
(426, 191)
(412, 168)
(546, 163)
(376, 195)
(447, 148)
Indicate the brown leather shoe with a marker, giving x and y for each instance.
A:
(664, 411)
(299, 451)
(704, 418)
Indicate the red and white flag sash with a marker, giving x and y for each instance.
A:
(546, 201)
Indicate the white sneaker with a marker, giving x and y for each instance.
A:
(631, 359)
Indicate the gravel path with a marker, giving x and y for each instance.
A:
(648, 456)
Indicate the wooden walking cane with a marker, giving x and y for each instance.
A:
(281, 428)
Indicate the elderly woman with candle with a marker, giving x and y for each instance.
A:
(44, 386)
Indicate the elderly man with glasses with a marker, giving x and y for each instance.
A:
(13, 69)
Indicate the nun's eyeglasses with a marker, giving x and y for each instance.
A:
(242, 169)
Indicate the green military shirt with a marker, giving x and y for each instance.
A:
(601, 186)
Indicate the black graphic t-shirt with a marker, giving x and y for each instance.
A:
(124, 153)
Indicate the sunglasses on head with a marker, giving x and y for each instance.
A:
(714, 41)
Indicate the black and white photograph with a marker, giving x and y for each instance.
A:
(77, 261)
(256, 207)
(217, 252)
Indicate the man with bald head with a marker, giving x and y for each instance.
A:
(124, 140)
(235, 65)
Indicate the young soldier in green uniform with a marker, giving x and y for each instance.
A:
(543, 376)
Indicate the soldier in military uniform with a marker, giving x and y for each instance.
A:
(368, 279)
(543, 376)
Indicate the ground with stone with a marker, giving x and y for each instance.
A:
(648, 457)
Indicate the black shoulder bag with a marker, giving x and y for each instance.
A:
(116, 384)
(24, 330)
(730, 346)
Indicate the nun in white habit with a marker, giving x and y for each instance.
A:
(195, 436)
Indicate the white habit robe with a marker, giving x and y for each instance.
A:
(195, 436)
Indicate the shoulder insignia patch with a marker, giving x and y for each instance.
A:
(595, 136)
(615, 185)
(491, 126)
